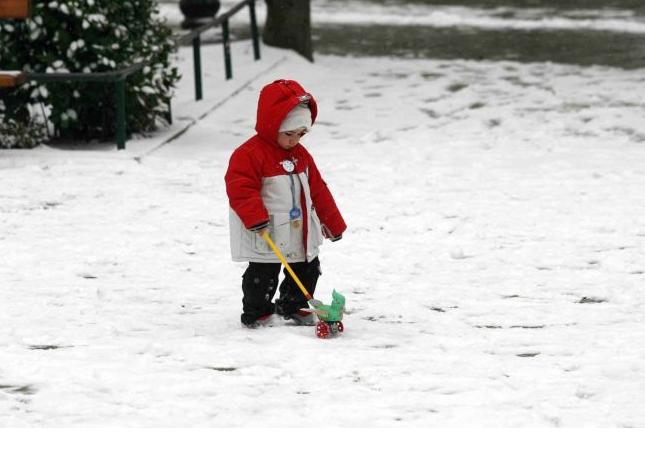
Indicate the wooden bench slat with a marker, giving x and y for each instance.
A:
(15, 9)
(9, 79)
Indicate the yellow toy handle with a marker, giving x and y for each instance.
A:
(267, 238)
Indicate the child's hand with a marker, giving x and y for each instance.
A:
(260, 227)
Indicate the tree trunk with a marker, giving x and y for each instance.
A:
(288, 26)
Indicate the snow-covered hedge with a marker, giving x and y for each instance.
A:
(89, 36)
(15, 134)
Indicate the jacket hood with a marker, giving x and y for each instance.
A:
(276, 100)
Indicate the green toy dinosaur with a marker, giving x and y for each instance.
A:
(335, 311)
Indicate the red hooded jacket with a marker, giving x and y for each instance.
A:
(256, 170)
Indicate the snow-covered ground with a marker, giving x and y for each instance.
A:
(494, 264)
(621, 20)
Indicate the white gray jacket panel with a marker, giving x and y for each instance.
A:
(247, 246)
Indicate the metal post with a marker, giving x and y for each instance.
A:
(169, 113)
(254, 31)
(119, 98)
(197, 62)
(226, 41)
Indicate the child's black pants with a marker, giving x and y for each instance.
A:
(259, 284)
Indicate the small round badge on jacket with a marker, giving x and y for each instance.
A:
(288, 166)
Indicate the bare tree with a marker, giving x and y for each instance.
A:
(288, 26)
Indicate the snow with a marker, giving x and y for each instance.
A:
(483, 18)
(493, 265)
(449, 16)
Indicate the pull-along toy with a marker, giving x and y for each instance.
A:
(329, 317)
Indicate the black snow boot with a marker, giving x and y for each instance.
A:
(259, 284)
(292, 300)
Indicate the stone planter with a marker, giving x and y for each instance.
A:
(197, 12)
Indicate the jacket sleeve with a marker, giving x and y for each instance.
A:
(243, 185)
(325, 204)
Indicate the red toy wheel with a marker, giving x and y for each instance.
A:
(322, 330)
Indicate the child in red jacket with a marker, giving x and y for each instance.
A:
(273, 184)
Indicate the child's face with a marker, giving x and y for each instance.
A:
(290, 139)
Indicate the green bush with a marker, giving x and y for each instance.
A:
(90, 36)
(14, 134)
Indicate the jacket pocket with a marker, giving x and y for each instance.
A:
(316, 230)
(280, 232)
